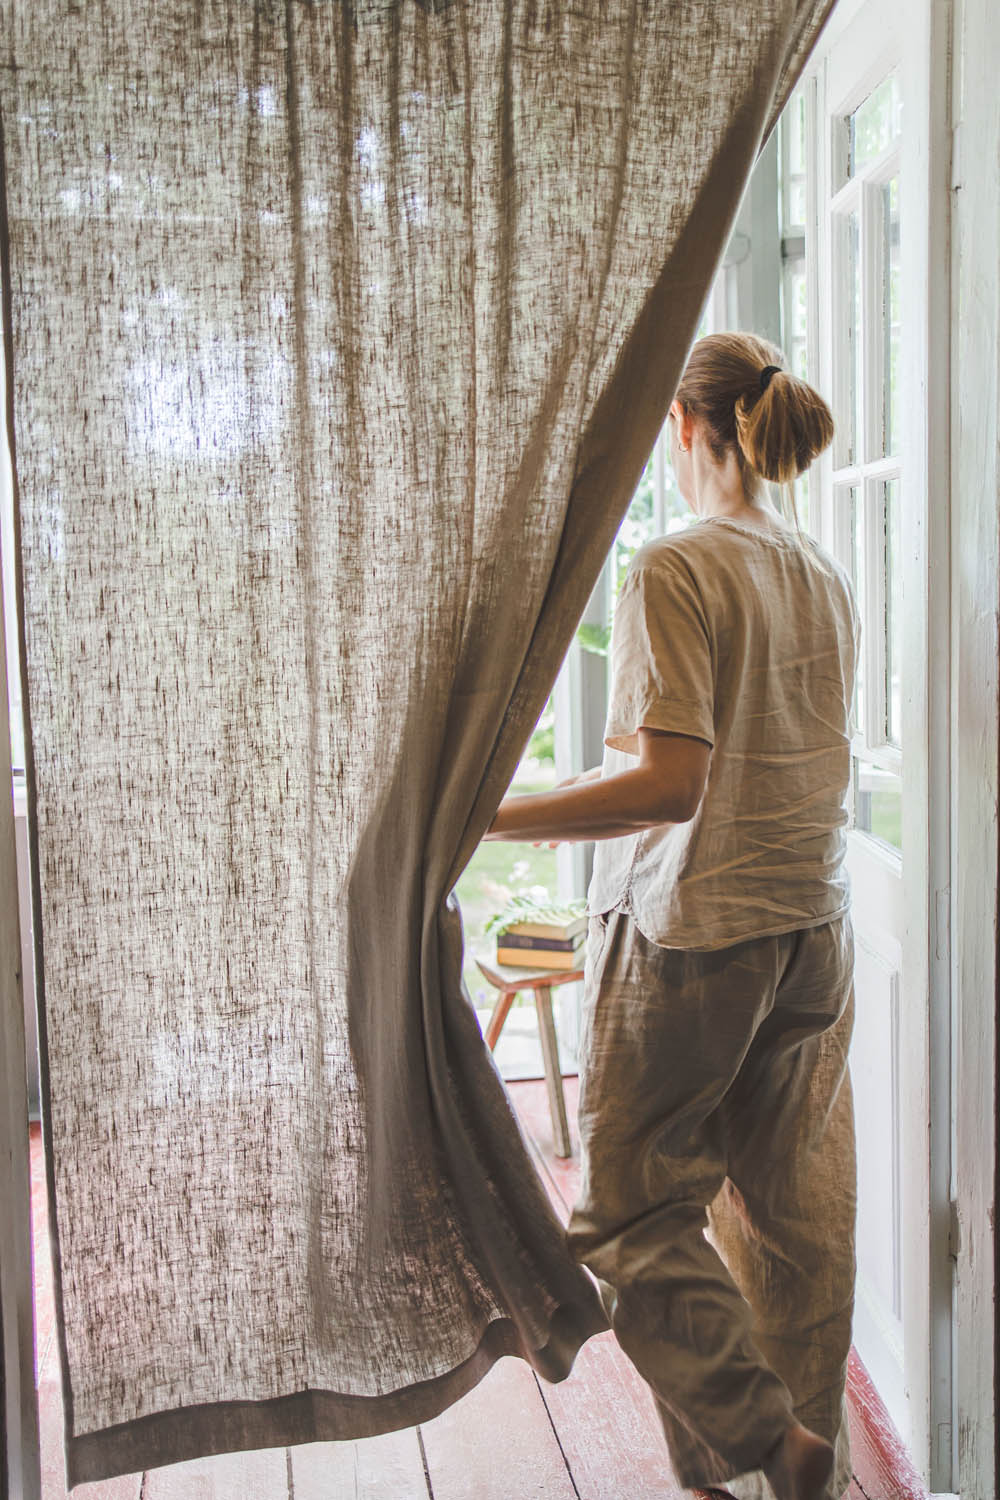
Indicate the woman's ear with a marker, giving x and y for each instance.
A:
(683, 425)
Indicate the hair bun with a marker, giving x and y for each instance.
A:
(782, 427)
(777, 427)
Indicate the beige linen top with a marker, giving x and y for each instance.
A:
(746, 639)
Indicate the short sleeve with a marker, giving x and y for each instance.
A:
(662, 673)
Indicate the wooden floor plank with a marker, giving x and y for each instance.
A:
(608, 1429)
(497, 1443)
(555, 1196)
(229, 1476)
(390, 1467)
(531, 1103)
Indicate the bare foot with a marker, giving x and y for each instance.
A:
(799, 1465)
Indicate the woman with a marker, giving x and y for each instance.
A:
(719, 964)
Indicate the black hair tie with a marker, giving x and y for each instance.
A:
(766, 374)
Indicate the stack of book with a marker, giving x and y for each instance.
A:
(543, 945)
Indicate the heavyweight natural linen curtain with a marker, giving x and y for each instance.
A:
(339, 335)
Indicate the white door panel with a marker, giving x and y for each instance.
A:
(870, 230)
(875, 1066)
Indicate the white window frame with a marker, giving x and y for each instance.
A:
(866, 474)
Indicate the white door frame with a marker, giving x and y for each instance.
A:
(973, 41)
(928, 816)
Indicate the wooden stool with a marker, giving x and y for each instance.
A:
(510, 981)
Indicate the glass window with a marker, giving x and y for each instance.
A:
(857, 515)
(893, 612)
(878, 804)
(875, 124)
(867, 378)
(849, 417)
(792, 165)
(891, 317)
(857, 341)
(794, 309)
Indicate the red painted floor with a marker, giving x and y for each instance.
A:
(592, 1437)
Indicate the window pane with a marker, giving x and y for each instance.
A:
(891, 288)
(857, 354)
(878, 804)
(858, 575)
(848, 347)
(797, 204)
(794, 307)
(893, 612)
(797, 134)
(792, 165)
(875, 124)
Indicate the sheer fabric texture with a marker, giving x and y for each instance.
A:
(338, 337)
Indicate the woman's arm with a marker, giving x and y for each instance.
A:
(665, 787)
(594, 774)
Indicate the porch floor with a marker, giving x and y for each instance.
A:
(593, 1437)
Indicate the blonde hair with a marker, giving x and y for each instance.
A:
(774, 422)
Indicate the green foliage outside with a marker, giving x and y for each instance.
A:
(496, 873)
(636, 530)
(542, 745)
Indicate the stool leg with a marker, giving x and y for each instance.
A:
(553, 1072)
(500, 1012)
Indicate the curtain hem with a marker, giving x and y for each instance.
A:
(174, 1437)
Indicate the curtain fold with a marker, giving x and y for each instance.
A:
(339, 336)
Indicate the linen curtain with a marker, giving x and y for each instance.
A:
(338, 337)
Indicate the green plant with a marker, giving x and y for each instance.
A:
(533, 908)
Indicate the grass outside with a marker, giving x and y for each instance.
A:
(494, 874)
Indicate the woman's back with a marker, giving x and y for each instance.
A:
(746, 637)
(719, 971)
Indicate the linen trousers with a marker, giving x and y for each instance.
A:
(718, 1196)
